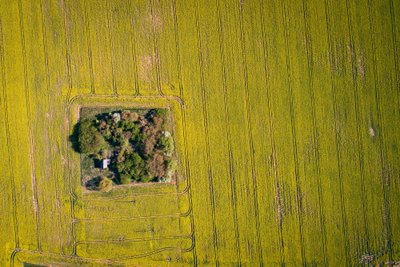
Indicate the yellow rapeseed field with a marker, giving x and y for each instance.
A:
(286, 127)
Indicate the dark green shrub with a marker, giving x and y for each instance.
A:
(136, 166)
(137, 138)
(90, 140)
(130, 126)
(132, 165)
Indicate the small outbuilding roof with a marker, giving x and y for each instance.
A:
(105, 163)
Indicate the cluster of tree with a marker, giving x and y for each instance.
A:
(139, 146)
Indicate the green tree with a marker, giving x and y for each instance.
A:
(130, 126)
(134, 166)
(90, 140)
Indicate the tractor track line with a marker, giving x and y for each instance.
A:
(156, 50)
(228, 135)
(134, 52)
(358, 123)
(53, 173)
(206, 133)
(133, 240)
(395, 51)
(315, 134)
(337, 134)
(272, 139)
(113, 219)
(192, 224)
(94, 260)
(177, 48)
(381, 137)
(30, 137)
(184, 125)
(102, 198)
(73, 197)
(395, 54)
(89, 48)
(396, 58)
(111, 43)
(293, 132)
(250, 133)
(125, 97)
(69, 77)
(67, 50)
(7, 129)
(177, 179)
(88, 197)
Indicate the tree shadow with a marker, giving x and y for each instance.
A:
(74, 138)
(93, 184)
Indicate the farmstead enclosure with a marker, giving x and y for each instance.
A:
(286, 129)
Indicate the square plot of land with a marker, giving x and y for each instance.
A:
(156, 213)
